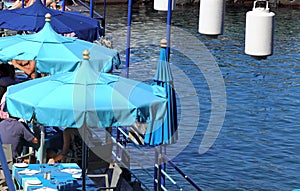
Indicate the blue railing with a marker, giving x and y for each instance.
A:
(95, 14)
(160, 172)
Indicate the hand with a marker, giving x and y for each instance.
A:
(51, 161)
(35, 140)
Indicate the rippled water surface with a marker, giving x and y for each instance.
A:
(258, 147)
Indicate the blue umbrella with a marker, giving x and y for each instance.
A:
(55, 53)
(164, 131)
(32, 19)
(85, 97)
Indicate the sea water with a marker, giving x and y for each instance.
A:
(250, 105)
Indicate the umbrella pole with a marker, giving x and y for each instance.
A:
(42, 144)
(83, 165)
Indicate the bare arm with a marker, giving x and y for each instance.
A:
(67, 135)
(17, 4)
(27, 66)
(29, 3)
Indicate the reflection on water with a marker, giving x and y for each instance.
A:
(258, 147)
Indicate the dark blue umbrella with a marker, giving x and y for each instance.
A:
(32, 19)
(164, 131)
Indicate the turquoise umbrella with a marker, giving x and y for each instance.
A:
(86, 97)
(55, 53)
(164, 131)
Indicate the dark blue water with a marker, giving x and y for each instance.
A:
(258, 146)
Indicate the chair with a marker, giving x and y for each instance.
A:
(6, 183)
(116, 172)
(5, 169)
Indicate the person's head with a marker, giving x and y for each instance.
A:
(11, 71)
(7, 70)
(3, 70)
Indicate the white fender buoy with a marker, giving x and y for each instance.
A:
(259, 30)
(211, 17)
(162, 5)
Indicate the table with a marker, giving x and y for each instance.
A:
(58, 177)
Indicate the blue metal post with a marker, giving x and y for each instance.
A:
(9, 181)
(128, 37)
(104, 18)
(155, 169)
(118, 139)
(168, 35)
(163, 165)
(91, 8)
(64, 5)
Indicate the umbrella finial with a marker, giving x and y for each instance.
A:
(86, 55)
(163, 43)
(48, 17)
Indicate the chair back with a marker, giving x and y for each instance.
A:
(5, 167)
(8, 154)
(116, 175)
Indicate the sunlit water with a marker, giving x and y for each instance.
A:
(258, 147)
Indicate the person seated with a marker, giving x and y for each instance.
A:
(59, 6)
(72, 147)
(18, 4)
(17, 134)
(27, 66)
(7, 77)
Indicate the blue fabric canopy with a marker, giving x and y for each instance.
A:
(55, 53)
(164, 131)
(32, 19)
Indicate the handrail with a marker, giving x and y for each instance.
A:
(172, 164)
(86, 6)
(98, 16)
(122, 163)
(168, 177)
(182, 173)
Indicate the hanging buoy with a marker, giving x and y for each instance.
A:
(162, 5)
(259, 30)
(211, 17)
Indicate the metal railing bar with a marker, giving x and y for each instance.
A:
(184, 175)
(86, 6)
(173, 165)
